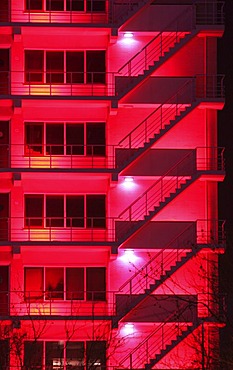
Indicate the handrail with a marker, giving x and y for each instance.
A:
(157, 330)
(179, 178)
(156, 256)
(170, 100)
(180, 16)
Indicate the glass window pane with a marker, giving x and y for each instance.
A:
(75, 283)
(95, 60)
(75, 139)
(96, 213)
(54, 4)
(75, 211)
(34, 66)
(54, 138)
(34, 210)
(96, 139)
(54, 211)
(54, 282)
(34, 4)
(54, 355)
(4, 354)
(96, 355)
(75, 66)
(96, 283)
(34, 139)
(33, 283)
(75, 355)
(54, 67)
(77, 5)
(96, 6)
(33, 355)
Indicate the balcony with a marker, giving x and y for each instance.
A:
(102, 12)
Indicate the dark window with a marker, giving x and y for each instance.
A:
(33, 283)
(33, 355)
(95, 63)
(96, 6)
(96, 354)
(54, 4)
(74, 139)
(54, 283)
(34, 210)
(54, 139)
(34, 139)
(75, 283)
(54, 211)
(75, 5)
(95, 210)
(54, 67)
(34, 4)
(75, 66)
(54, 355)
(96, 283)
(4, 354)
(74, 211)
(96, 139)
(34, 66)
(75, 355)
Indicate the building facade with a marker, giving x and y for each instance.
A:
(109, 166)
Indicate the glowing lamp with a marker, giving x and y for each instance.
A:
(129, 328)
(128, 35)
(129, 179)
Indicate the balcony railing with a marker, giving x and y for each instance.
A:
(13, 84)
(99, 303)
(20, 229)
(37, 156)
(103, 12)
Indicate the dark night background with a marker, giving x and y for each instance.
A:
(225, 66)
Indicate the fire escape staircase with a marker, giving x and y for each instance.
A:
(153, 127)
(169, 267)
(161, 193)
(154, 54)
(127, 11)
(169, 341)
(170, 345)
(185, 27)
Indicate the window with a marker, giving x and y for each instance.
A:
(34, 138)
(54, 211)
(4, 354)
(81, 67)
(96, 284)
(34, 4)
(34, 66)
(54, 283)
(66, 5)
(34, 210)
(65, 139)
(54, 65)
(76, 355)
(33, 355)
(58, 283)
(34, 283)
(86, 211)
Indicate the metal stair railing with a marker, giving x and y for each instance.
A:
(165, 332)
(156, 47)
(135, 284)
(156, 121)
(144, 207)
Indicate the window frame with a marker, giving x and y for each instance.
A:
(88, 347)
(82, 295)
(84, 148)
(86, 8)
(44, 72)
(67, 222)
